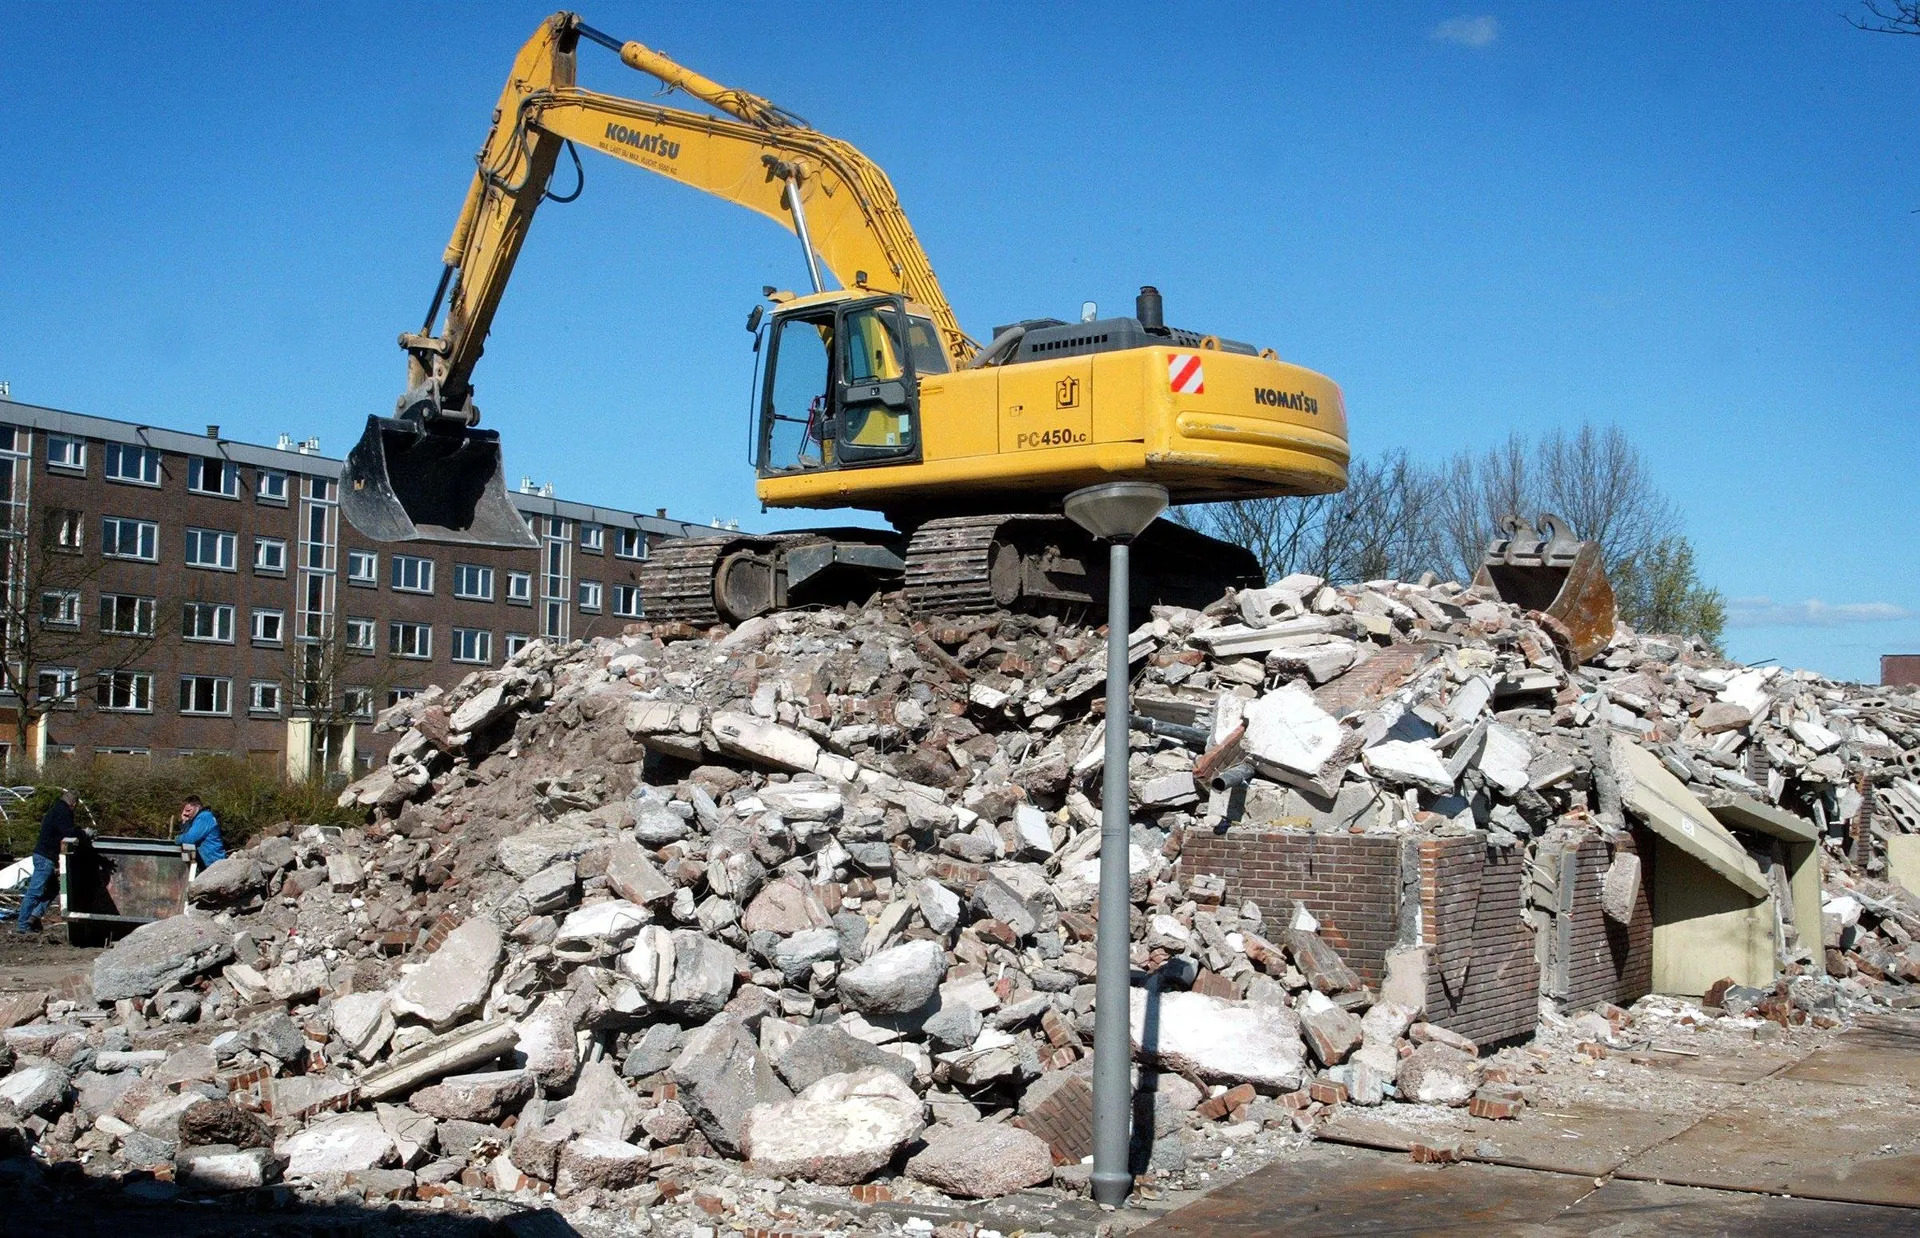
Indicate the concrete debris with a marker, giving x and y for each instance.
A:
(653, 919)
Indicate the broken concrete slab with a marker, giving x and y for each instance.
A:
(163, 952)
(839, 1131)
(454, 980)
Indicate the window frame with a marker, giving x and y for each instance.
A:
(69, 675)
(269, 543)
(197, 476)
(485, 574)
(70, 605)
(222, 693)
(638, 607)
(279, 616)
(482, 638)
(253, 698)
(639, 539)
(424, 652)
(147, 531)
(371, 644)
(594, 588)
(513, 643)
(218, 610)
(143, 605)
(117, 453)
(78, 463)
(228, 544)
(519, 596)
(397, 566)
(106, 681)
(371, 579)
(593, 537)
(260, 495)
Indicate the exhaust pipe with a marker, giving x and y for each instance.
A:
(1150, 310)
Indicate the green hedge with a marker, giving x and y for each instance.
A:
(129, 798)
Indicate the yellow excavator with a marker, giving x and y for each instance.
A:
(869, 395)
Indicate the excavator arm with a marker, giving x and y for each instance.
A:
(426, 473)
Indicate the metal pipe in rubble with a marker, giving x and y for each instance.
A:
(1192, 736)
(1231, 777)
(1112, 1044)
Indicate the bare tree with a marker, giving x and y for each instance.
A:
(1381, 525)
(339, 677)
(1887, 17)
(1597, 480)
(50, 638)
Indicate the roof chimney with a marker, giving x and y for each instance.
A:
(285, 443)
(660, 512)
(213, 431)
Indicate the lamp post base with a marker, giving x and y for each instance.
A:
(1112, 1189)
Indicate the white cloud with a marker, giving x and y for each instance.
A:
(1467, 31)
(1763, 612)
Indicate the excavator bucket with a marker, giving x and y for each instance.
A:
(1556, 573)
(408, 484)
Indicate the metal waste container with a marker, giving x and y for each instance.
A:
(111, 886)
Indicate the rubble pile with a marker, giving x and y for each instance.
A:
(681, 918)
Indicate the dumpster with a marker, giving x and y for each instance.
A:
(111, 886)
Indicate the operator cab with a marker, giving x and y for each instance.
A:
(842, 386)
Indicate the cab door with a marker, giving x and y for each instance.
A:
(877, 395)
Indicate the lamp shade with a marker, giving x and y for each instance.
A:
(1117, 511)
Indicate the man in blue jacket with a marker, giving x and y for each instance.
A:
(55, 828)
(202, 832)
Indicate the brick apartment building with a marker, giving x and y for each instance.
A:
(208, 596)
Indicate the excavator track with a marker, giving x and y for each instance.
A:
(950, 565)
(677, 579)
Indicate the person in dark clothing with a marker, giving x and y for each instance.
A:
(55, 828)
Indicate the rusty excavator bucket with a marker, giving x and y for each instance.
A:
(411, 480)
(1555, 573)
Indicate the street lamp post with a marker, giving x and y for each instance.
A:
(1115, 513)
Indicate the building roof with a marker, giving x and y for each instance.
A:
(308, 462)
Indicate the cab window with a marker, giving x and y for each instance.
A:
(797, 394)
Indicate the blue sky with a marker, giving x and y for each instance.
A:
(1696, 221)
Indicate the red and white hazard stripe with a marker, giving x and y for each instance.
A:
(1185, 374)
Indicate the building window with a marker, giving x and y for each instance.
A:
(320, 488)
(520, 588)
(60, 608)
(629, 544)
(121, 538)
(363, 568)
(409, 640)
(359, 634)
(124, 614)
(210, 548)
(58, 686)
(472, 645)
(270, 486)
(212, 621)
(128, 463)
(556, 620)
(516, 641)
(263, 697)
(556, 527)
(590, 593)
(124, 691)
(212, 475)
(206, 694)
(472, 581)
(270, 556)
(269, 627)
(593, 538)
(626, 601)
(396, 695)
(64, 452)
(69, 530)
(357, 702)
(412, 574)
